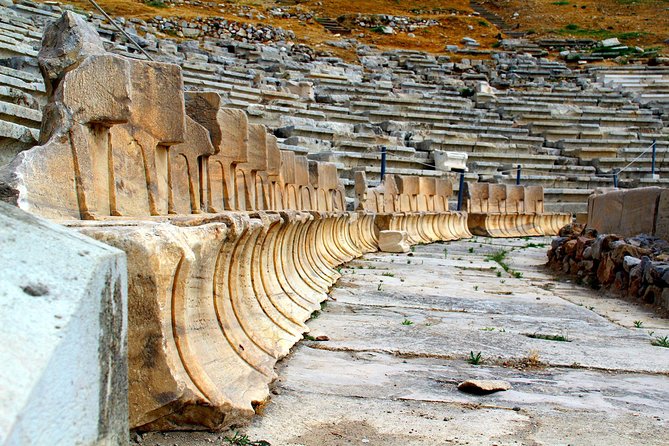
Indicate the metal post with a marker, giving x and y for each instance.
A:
(461, 190)
(383, 162)
(518, 175)
(117, 26)
(615, 178)
(652, 168)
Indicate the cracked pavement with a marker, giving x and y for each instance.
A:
(402, 326)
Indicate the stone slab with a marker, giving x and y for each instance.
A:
(63, 321)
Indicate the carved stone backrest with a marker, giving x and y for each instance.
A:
(534, 199)
(476, 197)
(408, 188)
(497, 198)
(444, 191)
(515, 199)
(427, 187)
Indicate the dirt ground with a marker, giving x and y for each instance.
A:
(635, 22)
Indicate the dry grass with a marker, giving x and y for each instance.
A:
(646, 20)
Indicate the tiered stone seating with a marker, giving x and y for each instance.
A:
(231, 242)
(499, 210)
(569, 129)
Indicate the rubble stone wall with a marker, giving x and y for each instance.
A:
(624, 246)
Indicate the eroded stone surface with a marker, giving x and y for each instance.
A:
(393, 382)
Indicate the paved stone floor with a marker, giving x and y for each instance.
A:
(401, 328)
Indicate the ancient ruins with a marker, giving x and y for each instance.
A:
(232, 208)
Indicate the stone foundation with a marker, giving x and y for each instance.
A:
(635, 267)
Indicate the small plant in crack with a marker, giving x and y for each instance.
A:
(474, 359)
(378, 288)
(388, 275)
(661, 341)
(445, 253)
(499, 274)
(243, 440)
(499, 257)
(407, 322)
(517, 274)
(471, 250)
(548, 337)
(476, 287)
(638, 324)
(308, 337)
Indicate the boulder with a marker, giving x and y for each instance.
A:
(393, 241)
(483, 386)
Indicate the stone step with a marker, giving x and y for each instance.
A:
(355, 159)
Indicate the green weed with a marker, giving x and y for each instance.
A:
(243, 440)
(547, 337)
(474, 359)
(661, 341)
(407, 322)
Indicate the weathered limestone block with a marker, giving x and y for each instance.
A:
(228, 130)
(250, 188)
(63, 321)
(65, 43)
(639, 211)
(157, 122)
(215, 301)
(306, 193)
(447, 161)
(324, 178)
(393, 241)
(626, 213)
(184, 170)
(272, 176)
(72, 163)
(662, 219)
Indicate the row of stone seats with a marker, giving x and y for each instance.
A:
(418, 91)
(416, 206)
(500, 210)
(21, 90)
(231, 243)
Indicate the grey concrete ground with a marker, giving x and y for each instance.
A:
(401, 328)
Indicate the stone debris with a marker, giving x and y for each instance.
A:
(621, 258)
(483, 386)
